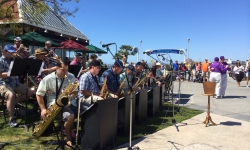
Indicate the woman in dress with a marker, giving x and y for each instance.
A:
(239, 74)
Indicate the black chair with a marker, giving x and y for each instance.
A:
(3, 107)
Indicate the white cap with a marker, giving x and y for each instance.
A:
(158, 64)
(17, 39)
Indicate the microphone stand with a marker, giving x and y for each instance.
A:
(131, 98)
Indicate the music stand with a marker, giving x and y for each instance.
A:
(75, 70)
(25, 67)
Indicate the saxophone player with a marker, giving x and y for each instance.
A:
(89, 86)
(128, 78)
(52, 86)
(113, 78)
(20, 48)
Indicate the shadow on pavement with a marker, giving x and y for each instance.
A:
(231, 96)
(230, 123)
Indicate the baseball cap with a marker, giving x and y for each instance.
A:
(17, 38)
(9, 48)
(216, 59)
(118, 63)
(222, 57)
(78, 54)
(95, 63)
(131, 67)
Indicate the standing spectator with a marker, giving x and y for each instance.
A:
(193, 68)
(247, 70)
(175, 66)
(204, 68)
(189, 66)
(239, 74)
(224, 76)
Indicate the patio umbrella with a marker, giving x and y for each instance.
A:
(95, 49)
(69, 44)
(33, 38)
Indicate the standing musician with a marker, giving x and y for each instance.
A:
(128, 78)
(20, 48)
(51, 86)
(52, 57)
(9, 86)
(113, 78)
(89, 86)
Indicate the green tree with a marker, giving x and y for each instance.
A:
(125, 50)
(9, 11)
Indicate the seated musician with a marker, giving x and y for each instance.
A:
(113, 78)
(78, 61)
(51, 56)
(40, 55)
(139, 69)
(88, 84)
(52, 86)
(128, 78)
(9, 86)
(152, 78)
(20, 48)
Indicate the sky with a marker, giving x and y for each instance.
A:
(215, 27)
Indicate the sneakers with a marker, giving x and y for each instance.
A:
(217, 97)
(13, 123)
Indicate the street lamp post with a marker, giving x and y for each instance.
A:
(139, 50)
(188, 47)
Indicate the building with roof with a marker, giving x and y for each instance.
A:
(49, 24)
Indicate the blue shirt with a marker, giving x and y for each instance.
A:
(175, 67)
(4, 67)
(88, 83)
(112, 80)
(128, 84)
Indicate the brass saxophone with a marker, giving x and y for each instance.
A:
(33, 81)
(53, 111)
(104, 93)
(120, 89)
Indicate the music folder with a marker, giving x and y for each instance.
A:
(75, 70)
(22, 67)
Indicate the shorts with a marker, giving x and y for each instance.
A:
(204, 74)
(5, 90)
(87, 100)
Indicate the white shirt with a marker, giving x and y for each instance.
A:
(47, 86)
(238, 69)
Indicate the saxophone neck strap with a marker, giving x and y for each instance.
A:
(94, 77)
(58, 89)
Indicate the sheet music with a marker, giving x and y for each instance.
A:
(41, 69)
(10, 68)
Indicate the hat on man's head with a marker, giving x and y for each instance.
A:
(78, 54)
(17, 39)
(48, 42)
(118, 63)
(95, 63)
(131, 67)
(216, 59)
(9, 48)
(158, 64)
(222, 57)
(40, 51)
(206, 59)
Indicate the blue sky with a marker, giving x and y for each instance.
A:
(215, 27)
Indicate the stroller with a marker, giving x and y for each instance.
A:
(198, 77)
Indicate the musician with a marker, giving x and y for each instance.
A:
(40, 55)
(139, 69)
(52, 86)
(92, 57)
(152, 77)
(159, 74)
(20, 48)
(9, 86)
(51, 56)
(128, 78)
(113, 78)
(89, 85)
(77, 60)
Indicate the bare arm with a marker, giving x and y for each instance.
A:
(40, 101)
(3, 75)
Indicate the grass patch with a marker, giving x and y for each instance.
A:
(19, 139)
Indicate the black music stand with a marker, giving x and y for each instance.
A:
(75, 70)
(25, 67)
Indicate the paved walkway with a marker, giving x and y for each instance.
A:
(232, 115)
